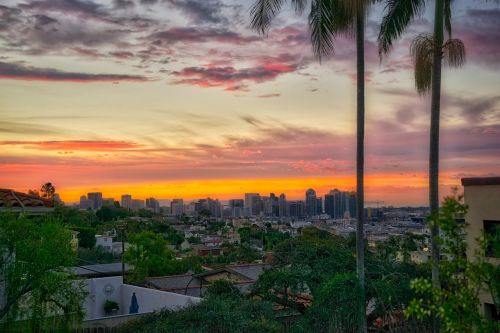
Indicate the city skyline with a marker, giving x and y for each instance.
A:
(172, 99)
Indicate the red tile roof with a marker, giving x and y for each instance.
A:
(11, 198)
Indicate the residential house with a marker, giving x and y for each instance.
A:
(243, 276)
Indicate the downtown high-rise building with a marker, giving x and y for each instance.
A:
(253, 204)
(177, 207)
(126, 201)
(339, 204)
(108, 202)
(137, 204)
(96, 199)
(236, 207)
(296, 209)
(85, 204)
(282, 205)
(153, 205)
(311, 202)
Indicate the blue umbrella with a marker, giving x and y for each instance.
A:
(134, 305)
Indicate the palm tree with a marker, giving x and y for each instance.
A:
(327, 20)
(428, 53)
(48, 190)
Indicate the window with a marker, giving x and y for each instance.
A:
(492, 234)
(491, 313)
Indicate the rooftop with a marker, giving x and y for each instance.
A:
(98, 270)
(18, 201)
(481, 181)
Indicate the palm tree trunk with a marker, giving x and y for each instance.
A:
(434, 145)
(360, 165)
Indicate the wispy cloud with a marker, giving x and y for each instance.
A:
(75, 145)
(16, 71)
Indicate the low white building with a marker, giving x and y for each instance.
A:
(113, 289)
(105, 242)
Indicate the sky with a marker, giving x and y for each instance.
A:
(180, 98)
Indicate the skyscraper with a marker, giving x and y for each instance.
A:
(153, 205)
(126, 201)
(136, 204)
(319, 206)
(253, 204)
(282, 205)
(353, 209)
(96, 198)
(177, 207)
(311, 202)
(274, 204)
(85, 203)
(329, 205)
(236, 207)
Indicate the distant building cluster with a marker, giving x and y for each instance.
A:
(336, 204)
(95, 201)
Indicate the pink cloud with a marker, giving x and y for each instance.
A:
(233, 79)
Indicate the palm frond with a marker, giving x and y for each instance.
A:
(321, 23)
(263, 12)
(422, 51)
(399, 14)
(447, 16)
(327, 19)
(299, 5)
(454, 53)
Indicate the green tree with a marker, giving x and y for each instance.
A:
(185, 265)
(35, 257)
(456, 302)
(110, 213)
(74, 217)
(95, 255)
(332, 308)
(283, 286)
(222, 288)
(86, 237)
(218, 313)
(148, 254)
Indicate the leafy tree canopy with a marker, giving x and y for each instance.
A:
(34, 264)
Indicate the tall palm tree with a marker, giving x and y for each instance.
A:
(327, 20)
(428, 52)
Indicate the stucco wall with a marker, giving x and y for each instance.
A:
(484, 204)
(112, 288)
(151, 299)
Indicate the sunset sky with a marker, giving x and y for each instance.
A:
(179, 98)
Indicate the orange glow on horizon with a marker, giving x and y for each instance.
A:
(387, 187)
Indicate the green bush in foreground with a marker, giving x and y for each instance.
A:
(222, 313)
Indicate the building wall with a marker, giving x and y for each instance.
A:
(105, 241)
(100, 290)
(112, 288)
(151, 299)
(483, 203)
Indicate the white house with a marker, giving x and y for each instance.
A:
(105, 241)
(113, 289)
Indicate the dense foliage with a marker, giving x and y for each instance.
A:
(35, 254)
(148, 254)
(456, 302)
(221, 312)
(268, 239)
